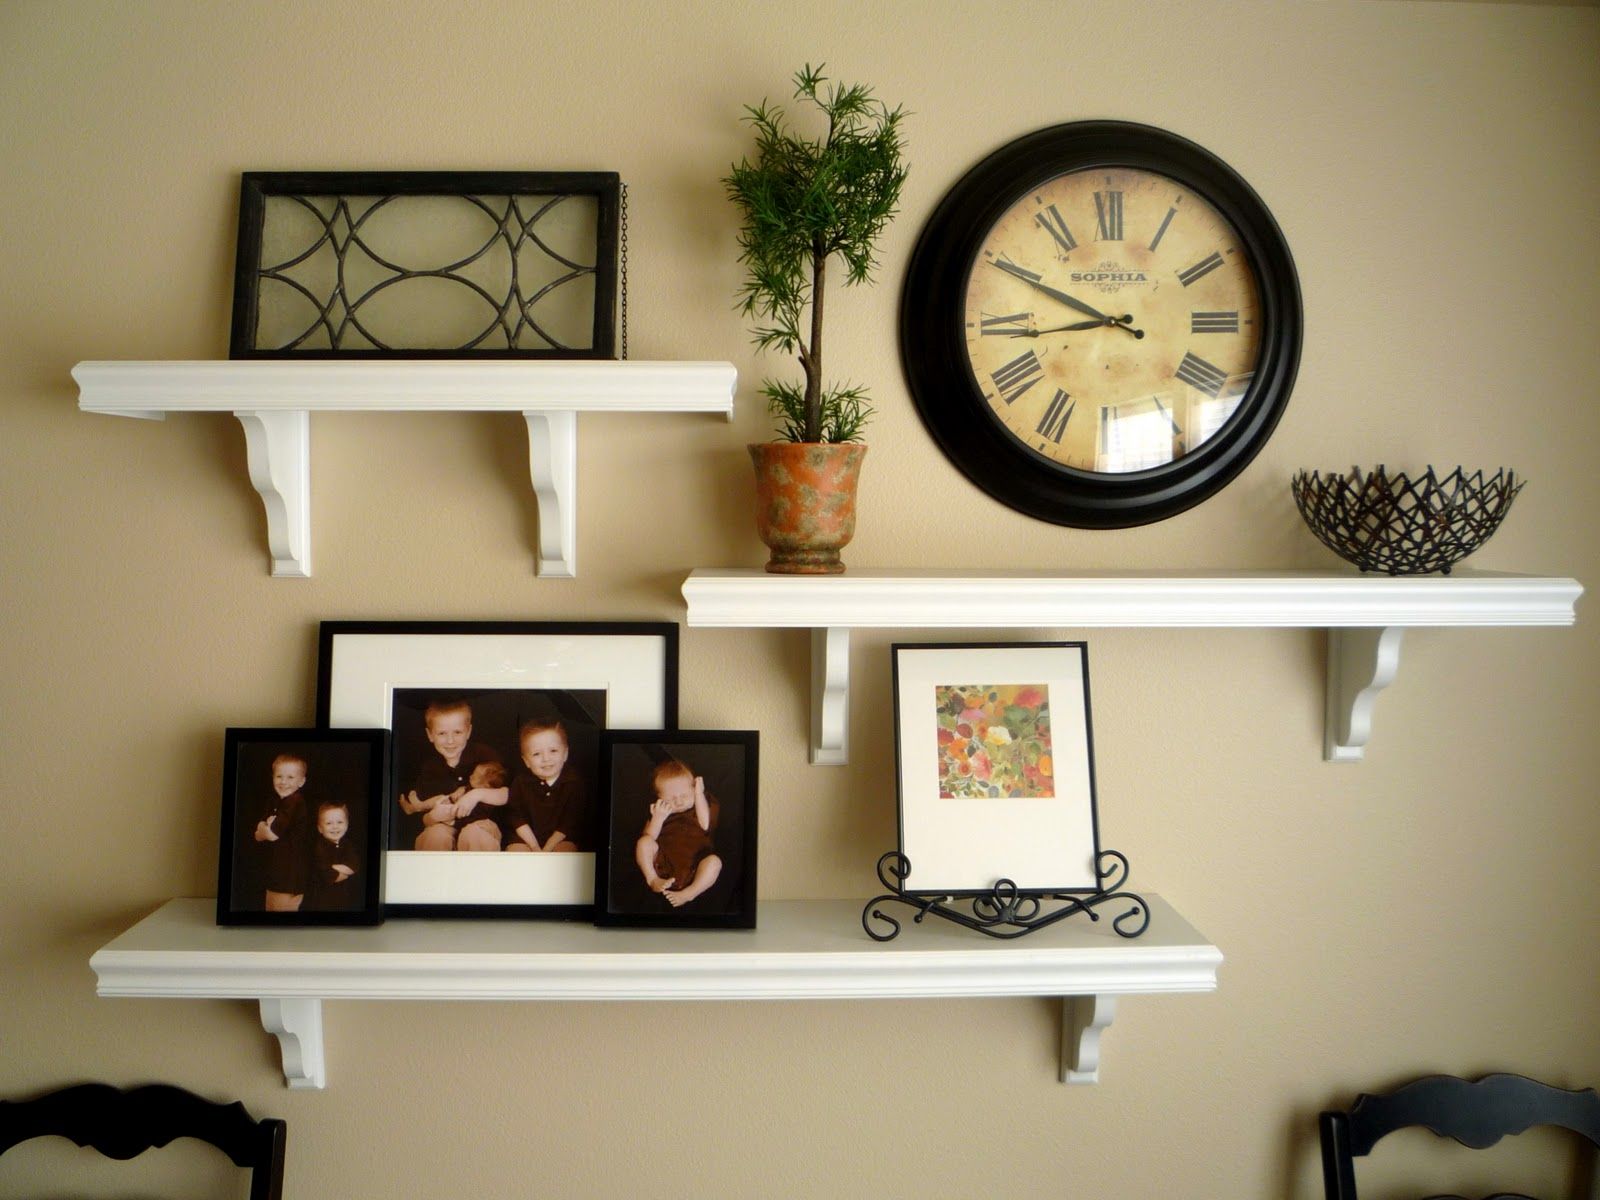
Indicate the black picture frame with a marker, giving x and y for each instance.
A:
(932, 334)
(960, 842)
(508, 230)
(338, 767)
(367, 668)
(729, 763)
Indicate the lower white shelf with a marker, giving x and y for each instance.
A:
(803, 950)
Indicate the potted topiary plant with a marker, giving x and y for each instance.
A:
(805, 201)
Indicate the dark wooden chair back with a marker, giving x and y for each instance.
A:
(1476, 1114)
(123, 1124)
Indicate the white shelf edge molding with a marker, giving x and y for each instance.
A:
(273, 400)
(803, 950)
(1364, 616)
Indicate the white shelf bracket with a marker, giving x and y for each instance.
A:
(1361, 663)
(553, 465)
(1083, 1020)
(297, 1024)
(278, 447)
(830, 696)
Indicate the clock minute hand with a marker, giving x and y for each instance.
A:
(1034, 281)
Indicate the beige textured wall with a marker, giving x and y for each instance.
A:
(1434, 167)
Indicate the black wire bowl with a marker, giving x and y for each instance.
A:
(1400, 525)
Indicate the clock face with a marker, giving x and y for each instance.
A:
(1112, 320)
(1100, 324)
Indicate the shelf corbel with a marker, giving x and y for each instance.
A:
(1361, 663)
(278, 450)
(1083, 1020)
(296, 1021)
(830, 696)
(553, 467)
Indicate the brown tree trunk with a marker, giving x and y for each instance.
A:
(813, 358)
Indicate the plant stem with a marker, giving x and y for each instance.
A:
(813, 361)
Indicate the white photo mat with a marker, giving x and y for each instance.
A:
(958, 844)
(637, 671)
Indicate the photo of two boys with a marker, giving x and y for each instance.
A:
(300, 827)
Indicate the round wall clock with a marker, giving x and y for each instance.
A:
(1101, 324)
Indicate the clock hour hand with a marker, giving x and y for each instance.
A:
(1076, 327)
(1035, 281)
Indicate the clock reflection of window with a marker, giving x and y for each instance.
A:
(1136, 436)
(1207, 415)
(1148, 433)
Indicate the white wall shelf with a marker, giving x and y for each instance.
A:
(1365, 616)
(273, 400)
(803, 950)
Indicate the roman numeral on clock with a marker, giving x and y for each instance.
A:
(1056, 416)
(1200, 269)
(1017, 376)
(1214, 322)
(1108, 216)
(1162, 232)
(1056, 226)
(1201, 375)
(1010, 325)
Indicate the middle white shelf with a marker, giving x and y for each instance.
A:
(1365, 616)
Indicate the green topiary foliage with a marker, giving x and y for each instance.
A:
(804, 201)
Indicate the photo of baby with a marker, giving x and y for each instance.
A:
(300, 814)
(681, 839)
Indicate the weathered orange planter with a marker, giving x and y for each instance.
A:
(806, 503)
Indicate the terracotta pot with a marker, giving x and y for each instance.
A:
(806, 503)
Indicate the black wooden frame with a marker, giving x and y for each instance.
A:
(375, 825)
(329, 633)
(749, 742)
(932, 335)
(256, 186)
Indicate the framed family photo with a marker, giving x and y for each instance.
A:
(496, 804)
(680, 843)
(995, 767)
(302, 826)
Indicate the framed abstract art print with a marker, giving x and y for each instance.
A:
(995, 767)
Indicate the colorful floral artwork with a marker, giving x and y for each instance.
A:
(994, 740)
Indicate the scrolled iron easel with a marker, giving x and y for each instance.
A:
(1006, 911)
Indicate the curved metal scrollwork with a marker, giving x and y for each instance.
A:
(1005, 911)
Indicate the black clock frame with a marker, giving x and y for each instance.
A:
(932, 334)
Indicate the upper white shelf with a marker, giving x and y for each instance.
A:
(273, 400)
(803, 949)
(1365, 615)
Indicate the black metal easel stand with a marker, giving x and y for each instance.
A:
(1007, 911)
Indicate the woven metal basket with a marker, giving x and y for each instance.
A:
(1402, 525)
